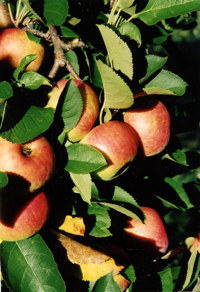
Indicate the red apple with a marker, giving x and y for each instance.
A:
(90, 110)
(5, 20)
(119, 144)
(151, 120)
(15, 45)
(196, 244)
(31, 163)
(22, 217)
(151, 233)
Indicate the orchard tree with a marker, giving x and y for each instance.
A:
(99, 158)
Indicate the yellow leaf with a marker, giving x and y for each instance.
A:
(92, 271)
(92, 263)
(73, 225)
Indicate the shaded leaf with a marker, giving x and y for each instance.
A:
(33, 80)
(6, 90)
(3, 179)
(83, 185)
(102, 220)
(177, 156)
(166, 280)
(121, 195)
(34, 122)
(23, 64)
(178, 187)
(120, 58)
(121, 209)
(72, 105)
(89, 162)
(32, 264)
(106, 284)
(67, 32)
(131, 31)
(55, 12)
(154, 63)
(117, 94)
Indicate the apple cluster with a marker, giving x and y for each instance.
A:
(143, 129)
(24, 203)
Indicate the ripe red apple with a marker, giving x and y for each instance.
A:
(151, 120)
(119, 144)
(30, 164)
(5, 20)
(15, 45)
(90, 110)
(22, 217)
(151, 233)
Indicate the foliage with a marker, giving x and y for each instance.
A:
(131, 50)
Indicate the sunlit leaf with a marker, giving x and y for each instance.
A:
(120, 58)
(117, 93)
(83, 184)
(23, 64)
(156, 11)
(190, 268)
(166, 83)
(73, 225)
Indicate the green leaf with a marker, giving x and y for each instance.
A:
(120, 58)
(102, 220)
(34, 122)
(177, 156)
(30, 9)
(121, 195)
(28, 265)
(55, 12)
(158, 10)
(73, 60)
(84, 159)
(190, 268)
(123, 4)
(167, 83)
(33, 80)
(117, 94)
(23, 64)
(3, 179)
(72, 105)
(106, 284)
(178, 187)
(154, 63)
(67, 32)
(130, 274)
(121, 209)
(83, 184)
(166, 280)
(131, 31)
(6, 90)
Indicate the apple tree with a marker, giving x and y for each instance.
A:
(112, 88)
